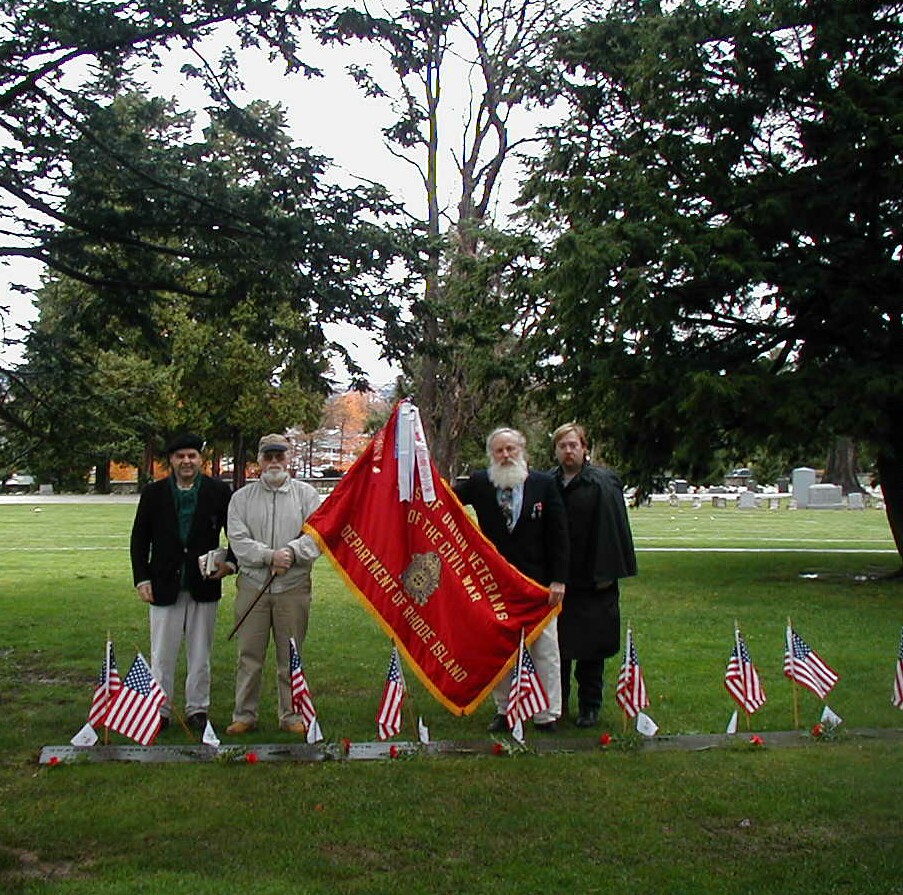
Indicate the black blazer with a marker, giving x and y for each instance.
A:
(157, 553)
(538, 544)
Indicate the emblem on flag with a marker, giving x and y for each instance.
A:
(421, 577)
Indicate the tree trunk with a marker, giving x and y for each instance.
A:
(146, 473)
(239, 464)
(102, 476)
(842, 466)
(890, 469)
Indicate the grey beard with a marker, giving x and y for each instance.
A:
(508, 475)
(275, 478)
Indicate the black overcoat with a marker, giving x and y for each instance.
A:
(157, 552)
(602, 552)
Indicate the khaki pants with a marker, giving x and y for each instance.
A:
(286, 614)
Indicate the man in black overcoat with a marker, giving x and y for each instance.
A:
(589, 627)
(521, 512)
(178, 521)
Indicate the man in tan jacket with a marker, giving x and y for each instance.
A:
(265, 519)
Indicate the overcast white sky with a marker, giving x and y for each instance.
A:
(330, 115)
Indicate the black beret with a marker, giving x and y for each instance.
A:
(185, 442)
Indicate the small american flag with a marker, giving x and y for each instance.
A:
(803, 665)
(136, 711)
(107, 689)
(631, 691)
(898, 677)
(388, 718)
(741, 678)
(302, 702)
(527, 696)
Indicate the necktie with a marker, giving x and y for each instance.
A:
(505, 504)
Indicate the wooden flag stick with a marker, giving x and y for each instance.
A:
(793, 688)
(106, 730)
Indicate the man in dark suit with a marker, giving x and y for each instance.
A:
(178, 521)
(522, 514)
(589, 627)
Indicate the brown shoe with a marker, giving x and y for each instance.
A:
(237, 728)
(297, 727)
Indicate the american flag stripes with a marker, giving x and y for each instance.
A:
(302, 702)
(741, 678)
(803, 665)
(136, 711)
(897, 699)
(631, 690)
(527, 696)
(107, 689)
(388, 717)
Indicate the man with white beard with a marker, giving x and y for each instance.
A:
(274, 560)
(522, 513)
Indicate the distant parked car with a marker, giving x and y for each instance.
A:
(19, 484)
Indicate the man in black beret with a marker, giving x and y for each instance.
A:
(178, 521)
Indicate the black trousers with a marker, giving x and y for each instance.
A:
(590, 677)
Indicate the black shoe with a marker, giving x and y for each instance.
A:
(587, 718)
(547, 727)
(197, 722)
(164, 722)
(499, 724)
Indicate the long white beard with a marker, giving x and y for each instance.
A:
(275, 476)
(508, 475)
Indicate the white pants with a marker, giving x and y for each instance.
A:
(195, 622)
(547, 660)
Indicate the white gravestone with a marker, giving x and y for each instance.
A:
(825, 497)
(856, 500)
(803, 479)
(746, 501)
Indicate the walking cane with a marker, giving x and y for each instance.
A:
(260, 593)
(254, 602)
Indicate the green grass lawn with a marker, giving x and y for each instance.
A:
(822, 817)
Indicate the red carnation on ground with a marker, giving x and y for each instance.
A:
(393, 751)
(818, 730)
(756, 740)
(251, 758)
(605, 739)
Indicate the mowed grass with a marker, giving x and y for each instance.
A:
(821, 817)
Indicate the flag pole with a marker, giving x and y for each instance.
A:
(518, 696)
(793, 687)
(626, 659)
(106, 685)
(740, 664)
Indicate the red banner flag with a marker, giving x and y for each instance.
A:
(409, 550)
